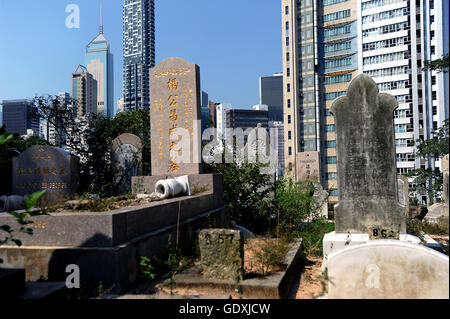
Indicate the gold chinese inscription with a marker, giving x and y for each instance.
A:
(44, 185)
(172, 86)
(173, 71)
(41, 171)
(41, 155)
(188, 111)
(37, 225)
(159, 112)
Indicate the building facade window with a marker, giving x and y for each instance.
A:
(334, 95)
(336, 15)
(331, 160)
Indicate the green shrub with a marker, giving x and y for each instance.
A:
(312, 235)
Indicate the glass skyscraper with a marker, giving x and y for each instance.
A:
(99, 62)
(138, 52)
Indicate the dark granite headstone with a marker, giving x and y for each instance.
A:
(175, 118)
(46, 168)
(367, 174)
(126, 157)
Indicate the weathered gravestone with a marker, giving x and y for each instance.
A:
(175, 118)
(222, 254)
(445, 168)
(367, 174)
(46, 168)
(440, 211)
(126, 157)
(403, 192)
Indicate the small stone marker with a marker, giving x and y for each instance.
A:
(222, 254)
(403, 192)
(45, 168)
(175, 118)
(445, 168)
(126, 156)
(367, 174)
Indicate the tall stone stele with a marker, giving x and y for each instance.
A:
(367, 174)
(175, 118)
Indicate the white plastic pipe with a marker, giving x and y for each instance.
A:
(173, 187)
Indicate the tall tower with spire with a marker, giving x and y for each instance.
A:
(100, 63)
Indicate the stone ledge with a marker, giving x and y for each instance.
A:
(275, 286)
(108, 229)
(115, 266)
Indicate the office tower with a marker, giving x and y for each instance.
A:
(207, 122)
(205, 99)
(320, 46)
(277, 142)
(271, 94)
(397, 36)
(246, 119)
(51, 129)
(99, 62)
(84, 92)
(138, 52)
(18, 117)
(1, 115)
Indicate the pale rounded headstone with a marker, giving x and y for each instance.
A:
(126, 158)
(388, 269)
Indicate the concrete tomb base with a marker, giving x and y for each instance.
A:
(334, 242)
(107, 246)
(387, 269)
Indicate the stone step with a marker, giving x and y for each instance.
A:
(12, 283)
(45, 290)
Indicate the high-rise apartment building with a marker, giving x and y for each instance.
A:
(138, 52)
(320, 46)
(326, 43)
(18, 117)
(84, 92)
(99, 62)
(396, 37)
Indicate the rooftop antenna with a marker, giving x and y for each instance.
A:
(101, 17)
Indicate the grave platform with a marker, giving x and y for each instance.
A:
(334, 242)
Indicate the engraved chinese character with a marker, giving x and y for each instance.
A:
(172, 85)
(174, 167)
(173, 115)
(172, 100)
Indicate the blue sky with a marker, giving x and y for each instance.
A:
(234, 42)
